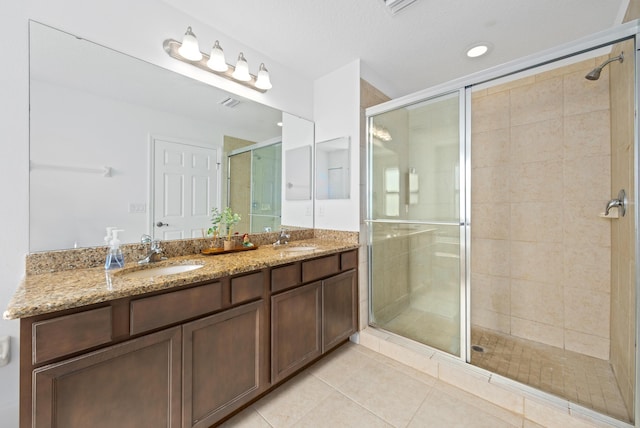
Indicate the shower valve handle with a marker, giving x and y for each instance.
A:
(620, 203)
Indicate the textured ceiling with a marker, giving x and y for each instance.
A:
(421, 46)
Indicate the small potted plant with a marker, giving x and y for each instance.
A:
(214, 230)
(229, 219)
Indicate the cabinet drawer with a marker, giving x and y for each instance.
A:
(153, 312)
(137, 383)
(247, 287)
(285, 277)
(321, 267)
(349, 260)
(71, 333)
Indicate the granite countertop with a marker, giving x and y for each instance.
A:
(50, 292)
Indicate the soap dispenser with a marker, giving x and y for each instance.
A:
(109, 236)
(115, 259)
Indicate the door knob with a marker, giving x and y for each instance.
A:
(160, 224)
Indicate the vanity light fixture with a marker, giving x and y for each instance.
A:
(217, 62)
(241, 71)
(190, 49)
(263, 81)
(189, 52)
(381, 133)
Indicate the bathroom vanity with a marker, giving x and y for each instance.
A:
(183, 350)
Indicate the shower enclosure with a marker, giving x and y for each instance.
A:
(415, 234)
(488, 238)
(255, 186)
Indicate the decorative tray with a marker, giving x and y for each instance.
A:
(215, 251)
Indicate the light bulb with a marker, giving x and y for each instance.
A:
(263, 81)
(190, 49)
(217, 62)
(241, 71)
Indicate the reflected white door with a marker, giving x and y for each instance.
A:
(185, 188)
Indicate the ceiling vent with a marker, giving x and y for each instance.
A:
(229, 102)
(395, 6)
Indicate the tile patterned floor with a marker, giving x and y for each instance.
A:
(356, 387)
(578, 378)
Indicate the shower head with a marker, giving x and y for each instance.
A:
(595, 73)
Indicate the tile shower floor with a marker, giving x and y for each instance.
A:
(578, 378)
(356, 387)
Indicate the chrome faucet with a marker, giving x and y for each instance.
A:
(154, 250)
(283, 239)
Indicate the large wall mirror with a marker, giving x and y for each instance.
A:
(116, 141)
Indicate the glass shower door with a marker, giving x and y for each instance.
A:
(254, 187)
(414, 218)
(266, 188)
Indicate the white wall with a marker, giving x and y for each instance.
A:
(66, 130)
(133, 27)
(336, 111)
(378, 82)
(14, 175)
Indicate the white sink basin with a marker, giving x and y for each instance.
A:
(160, 271)
(298, 249)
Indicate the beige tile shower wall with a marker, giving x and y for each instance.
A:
(240, 189)
(241, 181)
(540, 177)
(622, 230)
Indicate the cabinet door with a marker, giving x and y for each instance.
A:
(132, 384)
(339, 309)
(223, 363)
(295, 329)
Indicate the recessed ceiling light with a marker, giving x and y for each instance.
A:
(279, 124)
(477, 50)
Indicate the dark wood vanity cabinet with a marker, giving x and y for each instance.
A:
(309, 320)
(186, 357)
(296, 329)
(339, 309)
(224, 355)
(132, 384)
(224, 363)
